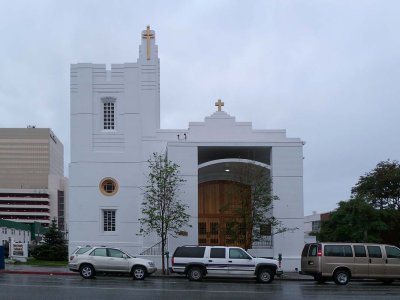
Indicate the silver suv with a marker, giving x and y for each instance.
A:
(89, 260)
(196, 262)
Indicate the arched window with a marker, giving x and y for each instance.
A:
(108, 113)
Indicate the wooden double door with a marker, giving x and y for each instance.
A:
(219, 202)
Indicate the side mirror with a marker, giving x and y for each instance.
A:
(124, 256)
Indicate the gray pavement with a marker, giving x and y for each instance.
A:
(40, 270)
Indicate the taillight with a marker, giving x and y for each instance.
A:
(319, 251)
(172, 260)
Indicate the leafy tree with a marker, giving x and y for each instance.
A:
(251, 210)
(373, 212)
(353, 221)
(54, 247)
(381, 186)
(163, 212)
(391, 218)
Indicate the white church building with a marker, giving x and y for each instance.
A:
(115, 127)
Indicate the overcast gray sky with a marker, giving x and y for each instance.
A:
(326, 71)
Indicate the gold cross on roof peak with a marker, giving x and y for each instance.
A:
(219, 103)
(148, 35)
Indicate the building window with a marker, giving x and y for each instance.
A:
(214, 228)
(61, 213)
(108, 113)
(202, 228)
(108, 186)
(4, 230)
(316, 226)
(108, 220)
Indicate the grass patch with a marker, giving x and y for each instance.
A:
(45, 263)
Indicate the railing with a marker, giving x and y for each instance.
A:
(263, 242)
(154, 250)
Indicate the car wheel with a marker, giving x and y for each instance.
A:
(138, 273)
(341, 277)
(195, 274)
(319, 279)
(265, 276)
(87, 271)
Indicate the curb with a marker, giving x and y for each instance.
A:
(37, 272)
(49, 273)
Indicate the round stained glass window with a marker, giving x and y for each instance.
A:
(108, 186)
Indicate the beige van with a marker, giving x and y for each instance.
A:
(342, 261)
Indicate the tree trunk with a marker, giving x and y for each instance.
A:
(163, 251)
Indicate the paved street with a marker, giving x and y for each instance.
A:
(32, 287)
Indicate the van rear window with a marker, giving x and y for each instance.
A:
(313, 250)
(305, 250)
(338, 250)
(194, 252)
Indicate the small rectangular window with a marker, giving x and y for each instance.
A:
(359, 251)
(217, 253)
(108, 112)
(214, 228)
(109, 220)
(374, 251)
(202, 228)
(316, 226)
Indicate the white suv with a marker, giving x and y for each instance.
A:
(196, 262)
(89, 260)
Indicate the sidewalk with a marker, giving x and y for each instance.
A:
(40, 270)
(36, 270)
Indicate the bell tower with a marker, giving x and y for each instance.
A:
(149, 66)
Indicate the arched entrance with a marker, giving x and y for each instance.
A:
(224, 202)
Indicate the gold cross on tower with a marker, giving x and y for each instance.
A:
(219, 103)
(148, 35)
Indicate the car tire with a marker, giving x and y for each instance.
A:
(195, 274)
(341, 277)
(87, 271)
(265, 275)
(138, 273)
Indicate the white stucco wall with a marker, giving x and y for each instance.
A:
(122, 154)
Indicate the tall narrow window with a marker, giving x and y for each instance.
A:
(108, 113)
(109, 220)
